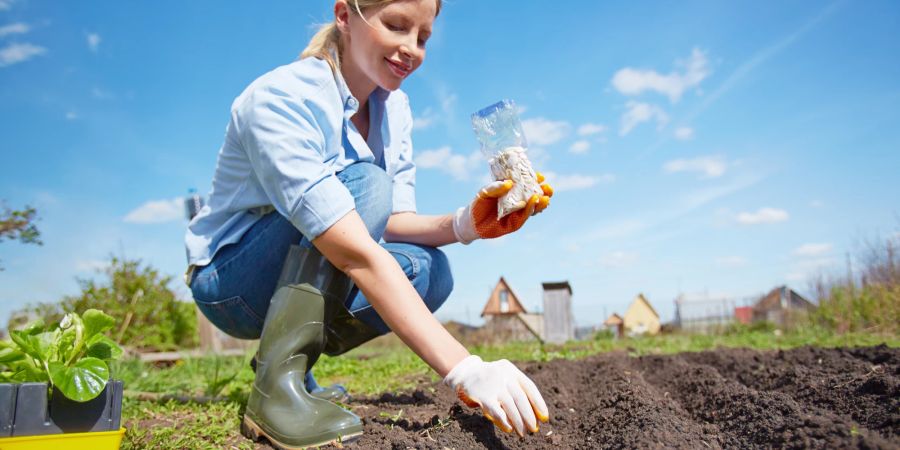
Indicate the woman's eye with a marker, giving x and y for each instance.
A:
(394, 27)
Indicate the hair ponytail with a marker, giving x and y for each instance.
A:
(325, 44)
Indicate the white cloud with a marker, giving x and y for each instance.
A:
(812, 250)
(618, 230)
(93, 42)
(16, 53)
(14, 28)
(424, 121)
(542, 131)
(684, 133)
(102, 94)
(574, 182)
(580, 147)
(443, 159)
(444, 114)
(709, 166)
(157, 211)
(637, 113)
(629, 81)
(5, 4)
(619, 259)
(817, 203)
(71, 115)
(731, 261)
(591, 128)
(807, 268)
(761, 216)
(90, 265)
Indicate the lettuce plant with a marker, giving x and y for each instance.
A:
(72, 356)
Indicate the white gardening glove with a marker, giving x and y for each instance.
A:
(507, 397)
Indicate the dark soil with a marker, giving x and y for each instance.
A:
(731, 398)
(802, 398)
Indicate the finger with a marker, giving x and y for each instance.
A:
(532, 203)
(535, 398)
(512, 413)
(523, 406)
(495, 189)
(540, 177)
(494, 412)
(542, 205)
(548, 190)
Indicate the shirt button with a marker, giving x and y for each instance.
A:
(352, 102)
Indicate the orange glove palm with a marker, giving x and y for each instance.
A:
(479, 219)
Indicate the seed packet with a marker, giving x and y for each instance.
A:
(504, 146)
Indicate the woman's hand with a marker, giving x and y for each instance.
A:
(479, 220)
(507, 397)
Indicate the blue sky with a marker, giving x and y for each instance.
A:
(697, 148)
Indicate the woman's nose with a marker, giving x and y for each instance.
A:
(410, 51)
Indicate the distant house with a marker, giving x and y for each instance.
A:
(615, 323)
(743, 314)
(779, 304)
(506, 318)
(641, 318)
(559, 325)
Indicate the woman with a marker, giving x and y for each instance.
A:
(318, 156)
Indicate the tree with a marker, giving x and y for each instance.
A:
(148, 314)
(19, 225)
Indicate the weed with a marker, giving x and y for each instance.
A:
(392, 419)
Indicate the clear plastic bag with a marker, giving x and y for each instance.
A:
(504, 146)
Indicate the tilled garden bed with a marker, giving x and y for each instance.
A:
(730, 398)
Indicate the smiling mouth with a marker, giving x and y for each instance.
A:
(400, 70)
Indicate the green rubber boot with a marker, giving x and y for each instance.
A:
(343, 332)
(279, 408)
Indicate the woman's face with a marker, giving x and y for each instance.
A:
(387, 44)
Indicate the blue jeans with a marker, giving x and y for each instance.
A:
(234, 290)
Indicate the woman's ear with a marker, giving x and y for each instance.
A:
(342, 15)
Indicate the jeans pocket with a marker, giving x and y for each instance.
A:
(233, 316)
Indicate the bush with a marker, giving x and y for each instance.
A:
(869, 301)
(737, 328)
(604, 335)
(148, 314)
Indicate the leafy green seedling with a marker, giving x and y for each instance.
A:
(73, 356)
(392, 419)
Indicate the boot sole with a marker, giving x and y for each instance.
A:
(254, 432)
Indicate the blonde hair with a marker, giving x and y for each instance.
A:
(327, 41)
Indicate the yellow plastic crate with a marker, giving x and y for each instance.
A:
(95, 440)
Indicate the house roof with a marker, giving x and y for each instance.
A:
(614, 319)
(640, 297)
(492, 307)
(557, 285)
(772, 300)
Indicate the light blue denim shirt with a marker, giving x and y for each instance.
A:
(289, 134)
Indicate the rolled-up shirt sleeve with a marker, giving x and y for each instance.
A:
(404, 192)
(284, 144)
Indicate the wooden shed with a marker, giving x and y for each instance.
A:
(616, 324)
(559, 325)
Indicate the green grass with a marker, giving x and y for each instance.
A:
(385, 367)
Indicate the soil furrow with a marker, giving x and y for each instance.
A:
(752, 418)
(862, 390)
(722, 399)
